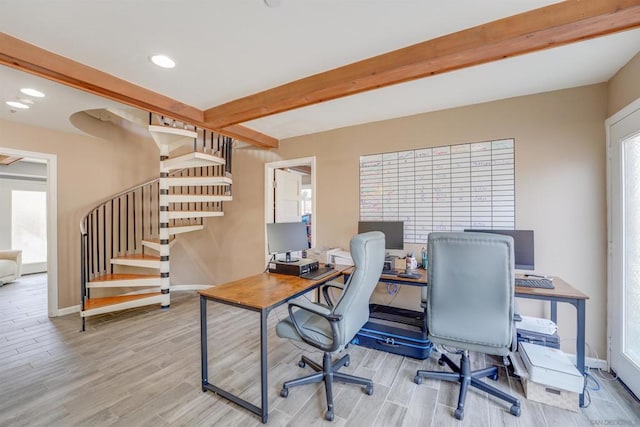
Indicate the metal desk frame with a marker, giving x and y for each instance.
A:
(263, 410)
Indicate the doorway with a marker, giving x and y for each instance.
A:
(623, 145)
(51, 223)
(280, 208)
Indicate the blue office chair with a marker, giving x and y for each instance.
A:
(470, 306)
(330, 329)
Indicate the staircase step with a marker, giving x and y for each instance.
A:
(193, 214)
(191, 160)
(155, 243)
(122, 280)
(138, 260)
(171, 137)
(192, 181)
(93, 306)
(197, 198)
(184, 229)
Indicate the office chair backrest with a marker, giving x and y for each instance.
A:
(368, 252)
(471, 289)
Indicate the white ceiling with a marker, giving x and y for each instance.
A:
(226, 49)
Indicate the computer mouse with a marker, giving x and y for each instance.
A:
(328, 265)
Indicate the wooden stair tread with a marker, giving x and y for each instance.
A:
(121, 276)
(93, 303)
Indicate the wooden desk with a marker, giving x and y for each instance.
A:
(563, 292)
(261, 293)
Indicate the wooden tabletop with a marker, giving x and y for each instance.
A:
(264, 290)
(562, 289)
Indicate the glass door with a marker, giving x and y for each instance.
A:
(624, 244)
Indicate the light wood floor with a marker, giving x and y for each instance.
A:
(142, 367)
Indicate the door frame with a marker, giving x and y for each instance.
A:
(613, 293)
(52, 223)
(269, 169)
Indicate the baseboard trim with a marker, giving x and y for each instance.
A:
(68, 310)
(591, 362)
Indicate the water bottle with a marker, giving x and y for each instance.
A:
(411, 262)
(424, 258)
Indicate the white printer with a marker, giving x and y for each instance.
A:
(550, 366)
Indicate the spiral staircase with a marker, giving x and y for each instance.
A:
(126, 239)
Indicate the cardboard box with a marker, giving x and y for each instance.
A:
(549, 395)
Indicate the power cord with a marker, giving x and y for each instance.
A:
(273, 257)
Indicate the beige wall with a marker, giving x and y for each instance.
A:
(560, 183)
(230, 247)
(624, 87)
(89, 169)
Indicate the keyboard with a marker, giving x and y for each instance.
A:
(318, 274)
(535, 283)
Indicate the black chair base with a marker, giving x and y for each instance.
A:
(466, 378)
(327, 373)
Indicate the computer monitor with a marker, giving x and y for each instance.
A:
(522, 246)
(287, 237)
(393, 232)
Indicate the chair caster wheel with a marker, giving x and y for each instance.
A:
(284, 392)
(329, 416)
(417, 379)
(302, 364)
(441, 362)
(346, 363)
(515, 410)
(494, 377)
(459, 414)
(369, 390)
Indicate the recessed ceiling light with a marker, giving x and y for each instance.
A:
(163, 61)
(26, 101)
(16, 104)
(32, 92)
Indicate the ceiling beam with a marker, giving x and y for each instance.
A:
(551, 26)
(32, 59)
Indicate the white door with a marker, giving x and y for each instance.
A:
(624, 244)
(288, 188)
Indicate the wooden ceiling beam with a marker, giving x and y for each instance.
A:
(551, 26)
(32, 59)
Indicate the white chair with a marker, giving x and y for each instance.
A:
(10, 265)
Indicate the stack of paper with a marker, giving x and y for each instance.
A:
(338, 256)
(536, 324)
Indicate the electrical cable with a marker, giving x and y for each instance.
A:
(269, 262)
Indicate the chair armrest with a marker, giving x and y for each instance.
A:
(322, 312)
(325, 291)
(12, 255)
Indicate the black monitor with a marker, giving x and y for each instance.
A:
(393, 232)
(522, 246)
(287, 237)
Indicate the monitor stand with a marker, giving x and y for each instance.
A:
(287, 259)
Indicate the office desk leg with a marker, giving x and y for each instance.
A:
(263, 365)
(203, 342)
(581, 344)
(554, 311)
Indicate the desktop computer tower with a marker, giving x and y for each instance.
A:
(296, 268)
